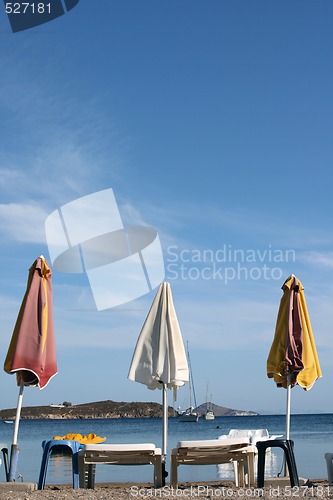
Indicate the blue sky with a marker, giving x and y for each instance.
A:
(211, 122)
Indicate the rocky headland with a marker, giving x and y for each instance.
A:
(222, 411)
(107, 409)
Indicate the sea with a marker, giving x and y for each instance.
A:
(312, 436)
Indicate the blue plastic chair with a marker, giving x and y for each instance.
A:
(64, 446)
(4, 449)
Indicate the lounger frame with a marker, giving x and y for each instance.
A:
(216, 451)
(118, 454)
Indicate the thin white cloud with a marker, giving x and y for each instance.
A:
(228, 324)
(22, 223)
(323, 259)
(227, 224)
(131, 215)
(66, 149)
(9, 176)
(9, 308)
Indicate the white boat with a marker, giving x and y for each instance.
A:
(209, 414)
(9, 421)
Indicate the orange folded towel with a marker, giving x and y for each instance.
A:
(89, 439)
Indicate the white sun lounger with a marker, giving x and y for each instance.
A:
(216, 451)
(254, 435)
(118, 454)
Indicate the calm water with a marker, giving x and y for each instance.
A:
(312, 434)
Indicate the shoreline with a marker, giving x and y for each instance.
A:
(315, 488)
(108, 409)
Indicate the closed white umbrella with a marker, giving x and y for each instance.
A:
(159, 360)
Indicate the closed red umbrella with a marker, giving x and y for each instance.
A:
(31, 354)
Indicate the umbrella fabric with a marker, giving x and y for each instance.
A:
(31, 354)
(159, 356)
(159, 359)
(293, 355)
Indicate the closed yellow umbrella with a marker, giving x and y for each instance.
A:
(293, 355)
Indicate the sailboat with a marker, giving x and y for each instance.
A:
(209, 414)
(190, 414)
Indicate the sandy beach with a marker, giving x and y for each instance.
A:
(318, 488)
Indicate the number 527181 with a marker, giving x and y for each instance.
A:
(28, 8)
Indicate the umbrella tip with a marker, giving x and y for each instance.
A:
(42, 257)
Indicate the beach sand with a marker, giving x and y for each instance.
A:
(211, 490)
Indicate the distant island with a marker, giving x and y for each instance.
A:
(108, 409)
(222, 411)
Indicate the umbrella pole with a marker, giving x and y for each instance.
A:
(287, 420)
(165, 433)
(14, 449)
(288, 407)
